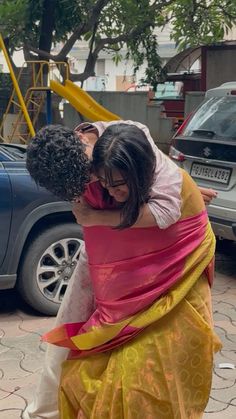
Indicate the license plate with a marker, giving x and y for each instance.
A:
(214, 173)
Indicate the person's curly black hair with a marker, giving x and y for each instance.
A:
(56, 160)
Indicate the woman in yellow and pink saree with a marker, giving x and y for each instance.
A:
(147, 350)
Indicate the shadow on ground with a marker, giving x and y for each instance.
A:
(225, 257)
(11, 301)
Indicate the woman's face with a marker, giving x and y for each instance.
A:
(118, 188)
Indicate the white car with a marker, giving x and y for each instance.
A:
(205, 146)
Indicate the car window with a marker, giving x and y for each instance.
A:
(4, 156)
(9, 153)
(216, 116)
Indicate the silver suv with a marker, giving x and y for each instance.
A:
(205, 146)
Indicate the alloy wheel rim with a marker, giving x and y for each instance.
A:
(56, 267)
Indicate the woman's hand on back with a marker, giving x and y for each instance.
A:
(83, 212)
(208, 194)
(87, 216)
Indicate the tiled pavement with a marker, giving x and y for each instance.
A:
(22, 353)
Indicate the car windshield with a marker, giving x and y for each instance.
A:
(215, 118)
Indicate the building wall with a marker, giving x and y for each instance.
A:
(220, 66)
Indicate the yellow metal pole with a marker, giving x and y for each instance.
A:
(17, 88)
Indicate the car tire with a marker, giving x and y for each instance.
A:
(47, 266)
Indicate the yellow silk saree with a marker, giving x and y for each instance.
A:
(147, 350)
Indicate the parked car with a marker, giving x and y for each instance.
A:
(40, 241)
(205, 146)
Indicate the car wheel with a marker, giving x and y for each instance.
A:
(48, 265)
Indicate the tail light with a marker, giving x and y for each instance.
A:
(173, 152)
(176, 154)
(182, 126)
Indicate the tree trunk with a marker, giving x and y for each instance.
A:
(47, 26)
(46, 32)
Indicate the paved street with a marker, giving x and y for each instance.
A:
(22, 352)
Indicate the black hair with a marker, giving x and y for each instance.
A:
(56, 160)
(125, 148)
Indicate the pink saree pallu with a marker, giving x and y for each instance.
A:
(147, 350)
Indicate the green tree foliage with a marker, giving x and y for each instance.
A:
(36, 26)
(201, 22)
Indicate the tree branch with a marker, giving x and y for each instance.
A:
(88, 70)
(125, 37)
(92, 58)
(83, 27)
(156, 6)
(43, 54)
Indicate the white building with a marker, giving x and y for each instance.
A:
(18, 59)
